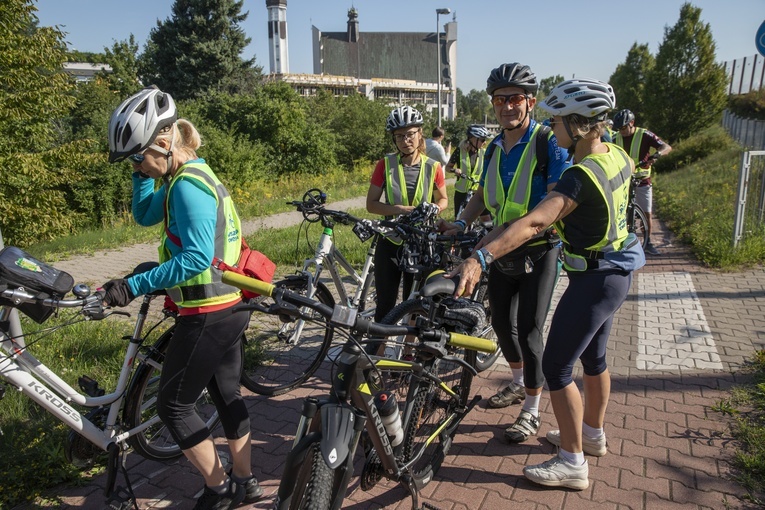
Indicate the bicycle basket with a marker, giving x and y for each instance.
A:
(19, 269)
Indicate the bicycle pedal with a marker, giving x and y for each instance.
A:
(120, 500)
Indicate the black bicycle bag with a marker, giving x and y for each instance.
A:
(19, 269)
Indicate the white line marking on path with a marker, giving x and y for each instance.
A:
(673, 333)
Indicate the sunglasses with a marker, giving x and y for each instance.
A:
(513, 99)
(138, 157)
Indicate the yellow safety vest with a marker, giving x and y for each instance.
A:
(613, 183)
(634, 151)
(474, 171)
(514, 204)
(395, 184)
(206, 288)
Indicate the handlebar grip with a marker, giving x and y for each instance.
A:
(246, 283)
(472, 342)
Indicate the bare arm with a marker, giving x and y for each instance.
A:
(440, 197)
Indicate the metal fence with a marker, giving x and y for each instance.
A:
(749, 133)
(750, 201)
(745, 74)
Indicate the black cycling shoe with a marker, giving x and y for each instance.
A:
(252, 490)
(211, 500)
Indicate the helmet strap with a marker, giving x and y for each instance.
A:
(574, 138)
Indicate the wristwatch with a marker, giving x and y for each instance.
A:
(487, 256)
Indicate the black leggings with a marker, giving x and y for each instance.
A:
(519, 306)
(581, 324)
(388, 278)
(205, 352)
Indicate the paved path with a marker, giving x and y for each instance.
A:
(677, 346)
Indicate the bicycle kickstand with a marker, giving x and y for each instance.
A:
(408, 483)
(119, 498)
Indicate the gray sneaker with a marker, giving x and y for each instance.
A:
(594, 447)
(525, 426)
(510, 395)
(556, 472)
(650, 249)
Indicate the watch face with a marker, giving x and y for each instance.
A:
(488, 257)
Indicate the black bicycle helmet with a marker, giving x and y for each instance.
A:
(623, 118)
(477, 131)
(512, 75)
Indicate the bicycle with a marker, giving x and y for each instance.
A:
(319, 466)
(637, 220)
(125, 417)
(477, 223)
(283, 355)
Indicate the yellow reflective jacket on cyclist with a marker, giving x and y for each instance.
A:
(634, 151)
(473, 171)
(610, 172)
(395, 183)
(206, 288)
(515, 203)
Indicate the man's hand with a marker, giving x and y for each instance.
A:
(449, 229)
(470, 275)
(117, 293)
(458, 172)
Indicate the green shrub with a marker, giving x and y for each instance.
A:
(750, 105)
(686, 152)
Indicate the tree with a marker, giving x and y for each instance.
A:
(123, 59)
(547, 84)
(686, 86)
(629, 80)
(475, 106)
(198, 50)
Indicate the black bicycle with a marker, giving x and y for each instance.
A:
(408, 449)
(637, 220)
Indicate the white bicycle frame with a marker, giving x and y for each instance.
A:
(326, 251)
(30, 376)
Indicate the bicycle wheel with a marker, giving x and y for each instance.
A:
(640, 225)
(484, 360)
(155, 442)
(313, 488)
(279, 356)
(427, 426)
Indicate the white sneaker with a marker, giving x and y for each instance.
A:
(556, 472)
(594, 447)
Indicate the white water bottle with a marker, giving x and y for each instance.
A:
(387, 406)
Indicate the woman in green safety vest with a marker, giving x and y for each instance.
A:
(200, 223)
(467, 161)
(403, 180)
(588, 207)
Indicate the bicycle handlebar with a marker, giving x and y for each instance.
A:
(92, 305)
(359, 323)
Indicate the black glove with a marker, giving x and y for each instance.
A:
(117, 293)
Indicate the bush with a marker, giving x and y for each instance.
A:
(695, 148)
(749, 106)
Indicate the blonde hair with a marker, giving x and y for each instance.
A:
(584, 126)
(185, 138)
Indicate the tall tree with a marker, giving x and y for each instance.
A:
(547, 84)
(629, 80)
(686, 88)
(123, 59)
(198, 50)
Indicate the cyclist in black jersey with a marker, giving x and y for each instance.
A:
(588, 206)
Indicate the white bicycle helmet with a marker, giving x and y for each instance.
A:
(403, 117)
(583, 96)
(136, 122)
(477, 131)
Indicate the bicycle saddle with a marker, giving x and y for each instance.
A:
(437, 284)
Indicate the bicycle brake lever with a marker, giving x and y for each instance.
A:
(462, 362)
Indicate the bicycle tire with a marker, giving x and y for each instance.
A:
(431, 404)
(275, 362)
(640, 225)
(484, 360)
(313, 487)
(155, 442)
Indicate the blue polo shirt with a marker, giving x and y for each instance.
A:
(508, 164)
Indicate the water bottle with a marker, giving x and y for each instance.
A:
(386, 404)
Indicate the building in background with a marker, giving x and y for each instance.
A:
(278, 50)
(84, 71)
(399, 67)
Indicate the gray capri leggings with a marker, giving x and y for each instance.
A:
(581, 324)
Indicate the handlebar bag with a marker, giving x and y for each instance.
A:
(19, 269)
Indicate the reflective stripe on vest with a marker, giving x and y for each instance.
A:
(395, 184)
(634, 151)
(614, 189)
(207, 288)
(514, 204)
(474, 171)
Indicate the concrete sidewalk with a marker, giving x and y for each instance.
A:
(677, 346)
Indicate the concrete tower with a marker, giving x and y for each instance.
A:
(277, 36)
